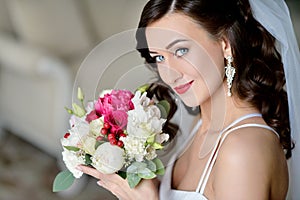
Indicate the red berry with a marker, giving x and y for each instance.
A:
(67, 135)
(111, 136)
(106, 125)
(120, 143)
(122, 135)
(113, 141)
(104, 131)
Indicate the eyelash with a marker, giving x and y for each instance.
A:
(177, 53)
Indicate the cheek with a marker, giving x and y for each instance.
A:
(209, 66)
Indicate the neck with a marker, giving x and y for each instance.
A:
(220, 110)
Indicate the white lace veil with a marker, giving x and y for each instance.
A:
(274, 16)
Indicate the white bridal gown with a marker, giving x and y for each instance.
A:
(168, 193)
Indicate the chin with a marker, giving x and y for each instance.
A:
(190, 102)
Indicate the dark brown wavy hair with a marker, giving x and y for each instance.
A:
(259, 76)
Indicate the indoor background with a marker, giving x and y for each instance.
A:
(42, 46)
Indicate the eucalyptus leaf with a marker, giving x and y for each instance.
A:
(133, 169)
(63, 181)
(71, 148)
(146, 174)
(140, 165)
(160, 169)
(151, 165)
(163, 112)
(133, 179)
(166, 105)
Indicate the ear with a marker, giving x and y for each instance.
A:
(226, 47)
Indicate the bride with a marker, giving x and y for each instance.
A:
(227, 58)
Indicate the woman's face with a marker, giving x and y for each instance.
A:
(189, 60)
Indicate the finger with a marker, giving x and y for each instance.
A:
(90, 171)
(116, 190)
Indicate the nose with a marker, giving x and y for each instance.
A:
(170, 72)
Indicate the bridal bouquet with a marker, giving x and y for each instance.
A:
(119, 132)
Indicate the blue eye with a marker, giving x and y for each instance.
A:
(159, 58)
(180, 52)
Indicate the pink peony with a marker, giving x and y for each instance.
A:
(116, 100)
(117, 120)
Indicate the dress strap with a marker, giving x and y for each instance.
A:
(215, 155)
(217, 142)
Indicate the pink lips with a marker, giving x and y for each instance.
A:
(183, 88)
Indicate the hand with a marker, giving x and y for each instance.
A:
(119, 186)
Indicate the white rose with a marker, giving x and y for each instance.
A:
(88, 143)
(108, 158)
(96, 126)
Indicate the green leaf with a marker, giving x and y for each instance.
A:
(139, 165)
(159, 166)
(156, 145)
(143, 88)
(122, 174)
(80, 95)
(151, 165)
(98, 143)
(151, 139)
(132, 169)
(63, 181)
(164, 108)
(146, 174)
(88, 160)
(71, 148)
(163, 112)
(70, 111)
(133, 179)
(77, 110)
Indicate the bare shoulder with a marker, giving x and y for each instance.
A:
(247, 163)
(254, 141)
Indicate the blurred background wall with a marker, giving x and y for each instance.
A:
(42, 45)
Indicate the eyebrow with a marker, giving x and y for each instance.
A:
(175, 42)
(170, 45)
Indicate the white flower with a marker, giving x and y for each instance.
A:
(87, 144)
(150, 153)
(144, 121)
(96, 126)
(75, 120)
(90, 106)
(134, 147)
(163, 137)
(73, 159)
(79, 130)
(140, 99)
(108, 158)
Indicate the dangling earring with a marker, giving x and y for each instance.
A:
(229, 72)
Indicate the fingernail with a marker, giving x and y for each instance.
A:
(78, 168)
(99, 183)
